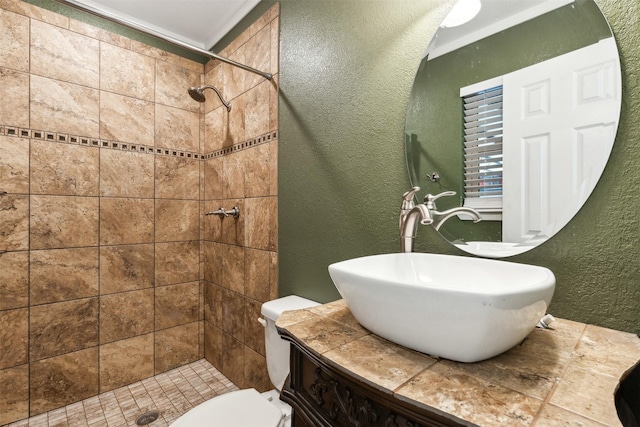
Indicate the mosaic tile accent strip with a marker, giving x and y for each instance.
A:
(95, 142)
(115, 145)
(267, 137)
(171, 394)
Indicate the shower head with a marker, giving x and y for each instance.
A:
(197, 95)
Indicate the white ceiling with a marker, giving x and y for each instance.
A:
(200, 23)
(494, 16)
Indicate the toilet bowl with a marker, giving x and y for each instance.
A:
(250, 408)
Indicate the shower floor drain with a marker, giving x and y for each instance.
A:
(147, 418)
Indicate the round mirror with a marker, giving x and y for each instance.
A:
(514, 107)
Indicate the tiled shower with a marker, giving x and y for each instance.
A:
(109, 271)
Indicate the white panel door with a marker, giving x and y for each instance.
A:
(560, 118)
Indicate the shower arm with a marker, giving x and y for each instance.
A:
(146, 30)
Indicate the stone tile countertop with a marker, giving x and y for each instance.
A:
(563, 376)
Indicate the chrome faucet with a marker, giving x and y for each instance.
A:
(428, 214)
(409, 213)
(440, 217)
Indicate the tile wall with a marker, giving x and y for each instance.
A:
(106, 167)
(240, 169)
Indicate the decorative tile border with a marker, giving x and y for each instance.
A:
(95, 142)
(267, 137)
(123, 146)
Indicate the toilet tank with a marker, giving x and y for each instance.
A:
(277, 349)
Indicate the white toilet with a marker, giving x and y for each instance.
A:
(249, 408)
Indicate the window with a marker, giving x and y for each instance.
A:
(483, 148)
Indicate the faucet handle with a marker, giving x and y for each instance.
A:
(430, 199)
(408, 196)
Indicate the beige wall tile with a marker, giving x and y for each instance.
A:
(258, 55)
(257, 270)
(255, 371)
(63, 274)
(234, 77)
(233, 314)
(126, 174)
(124, 362)
(256, 115)
(176, 347)
(164, 56)
(14, 41)
(261, 223)
(126, 221)
(177, 129)
(215, 129)
(14, 164)
(63, 222)
(64, 169)
(233, 228)
(253, 331)
(275, 44)
(233, 360)
(62, 327)
(273, 276)
(64, 379)
(234, 129)
(126, 315)
(99, 33)
(14, 280)
(213, 223)
(64, 55)
(14, 394)
(177, 178)
(233, 183)
(213, 304)
(126, 72)
(126, 119)
(177, 262)
(14, 222)
(214, 178)
(273, 168)
(233, 268)
(177, 220)
(14, 332)
(257, 172)
(176, 305)
(126, 268)
(14, 108)
(214, 77)
(37, 13)
(213, 262)
(213, 345)
(172, 83)
(273, 103)
(64, 107)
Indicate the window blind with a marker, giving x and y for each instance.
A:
(483, 149)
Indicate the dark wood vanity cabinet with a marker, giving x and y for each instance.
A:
(325, 396)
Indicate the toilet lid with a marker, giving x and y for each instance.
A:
(243, 408)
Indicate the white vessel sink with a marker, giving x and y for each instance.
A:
(460, 308)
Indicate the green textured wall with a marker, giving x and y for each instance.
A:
(346, 71)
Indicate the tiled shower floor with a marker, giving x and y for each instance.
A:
(172, 394)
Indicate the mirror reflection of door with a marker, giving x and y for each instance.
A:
(555, 142)
(560, 109)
